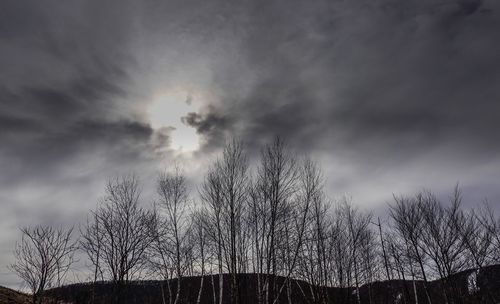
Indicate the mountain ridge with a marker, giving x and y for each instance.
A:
(486, 285)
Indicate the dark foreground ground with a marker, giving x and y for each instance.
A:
(467, 287)
(9, 296)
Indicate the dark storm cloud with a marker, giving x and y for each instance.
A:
(371, 75)
(66, 86)
(354, 73)
(46, 126)
(212, 125)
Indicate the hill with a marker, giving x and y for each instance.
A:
(467, 287)
(10, 296)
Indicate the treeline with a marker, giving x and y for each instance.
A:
(274, 220)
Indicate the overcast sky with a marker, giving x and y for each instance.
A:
(389, 96)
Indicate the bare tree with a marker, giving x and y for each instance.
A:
(339, 247)
(307, 207)
(384, 251)
(369, 260)
(211, 195)
(357, 225)
(477, 240)
(314, 251)
(442, 242)
(397, 249)
(200, 240)
(117, 235)
(225, 192)
(491, 224)
(173, 229)
(408, 224)
(43, 257)
(159, 255)
(91, 243)
(272, 194)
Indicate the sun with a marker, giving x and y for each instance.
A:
(166, 110)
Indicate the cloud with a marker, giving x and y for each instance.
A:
(67, 87)
(390, 96)
(213, 126)
(366, 75)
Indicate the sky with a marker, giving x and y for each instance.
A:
(389, 96)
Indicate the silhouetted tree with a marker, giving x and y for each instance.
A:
(172, 226)
(441, 240)
(273, 192)
(225, 194)
(43, 257)
(408, 226)
(117, 236)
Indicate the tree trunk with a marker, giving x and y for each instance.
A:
(289, 291)
(358, 297)
(201, 289)
(221, 287)
(213, 289)
(169, 292)
(162, 293)
(178, 292)
(415, 291)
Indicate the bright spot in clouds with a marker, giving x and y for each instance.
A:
(166, 110)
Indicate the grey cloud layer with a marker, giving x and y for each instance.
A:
(392, 96)
(370, 75)
(65, 85)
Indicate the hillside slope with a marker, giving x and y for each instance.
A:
(467, 287)
(485, 289)
(10, 296)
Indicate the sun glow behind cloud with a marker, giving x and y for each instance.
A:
(166, 110)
